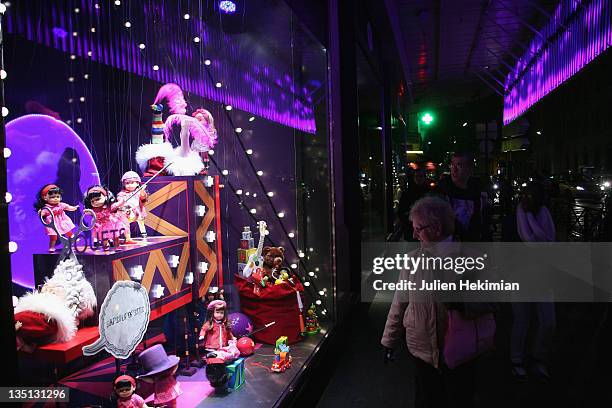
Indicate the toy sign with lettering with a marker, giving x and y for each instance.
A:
(124, 318)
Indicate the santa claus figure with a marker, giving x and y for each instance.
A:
(52, 314)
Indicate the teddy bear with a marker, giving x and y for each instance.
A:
(273, 260)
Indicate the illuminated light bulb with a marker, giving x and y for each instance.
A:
(306, 283)
(73, 57)
(196, 39)
(155, 67)
(142, 46)
(317, 269)
(207, 62)
(70, 79)
(293, 266)
(318, 302)
(238, 130)
(117, 2)
(79, 120)
(82, 99)
(228, 108)
(301, 254)
(239, 192)
(189, 278)
(210, 236)
(127, 24)
(211, 152)
(249, 151)
(70, 100)
(186, 16)
(291, 235)
(311, 249)
(85, 76)
(253, 211)
(77, 10)
(97, 6)
(8, 197)
(270, 193)
(219, 85)
(200, 210)
(89, 53)
(321, 293)
(93, 29)
(311, 273)
(68, 122)
(74, 34)
(260, 173)
(2, 74)
(157, 291)
(281, 214)
(247, 193)
(136, 272)
(12, 246)
(174, 261)
(225, 172)
(323, 312)
(5, 111)
(252, 118)
(203, 267)
(254, 195)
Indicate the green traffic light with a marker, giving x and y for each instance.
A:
(427, 118)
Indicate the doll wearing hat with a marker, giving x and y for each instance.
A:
(159, 370)
(103, 203)
(49, 200)
(133, 209)
(124, 388)
(217, 335)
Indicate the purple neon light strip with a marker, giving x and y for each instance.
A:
(114, 45)
(588, 34)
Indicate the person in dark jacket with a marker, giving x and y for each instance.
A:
(465, 194)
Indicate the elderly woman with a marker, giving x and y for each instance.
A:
(424, 320)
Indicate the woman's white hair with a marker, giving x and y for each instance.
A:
(435, 209)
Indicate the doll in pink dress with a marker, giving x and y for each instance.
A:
(108, 224)
(124, 388)
(216, 334)
(160, 369)
(133, 209)
(49, 200)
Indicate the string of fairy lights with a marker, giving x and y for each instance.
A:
(309, 278)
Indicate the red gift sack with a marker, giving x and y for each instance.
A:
(275, 303)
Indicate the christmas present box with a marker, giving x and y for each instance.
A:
(244, 254)
(247, 243)
(235, 374)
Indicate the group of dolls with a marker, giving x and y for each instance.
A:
(113, 215)
(160, 369)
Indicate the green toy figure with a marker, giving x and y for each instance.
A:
(312, 321)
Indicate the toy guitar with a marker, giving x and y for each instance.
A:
(254, 267)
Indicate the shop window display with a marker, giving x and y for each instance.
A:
(183, 147)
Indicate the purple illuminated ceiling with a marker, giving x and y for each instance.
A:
(577, 33)
(252, 78)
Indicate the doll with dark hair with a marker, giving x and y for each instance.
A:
(124, 395)
(49, 201)
(105, 206)
(217, 335)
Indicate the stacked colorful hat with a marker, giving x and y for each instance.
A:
(157, 127)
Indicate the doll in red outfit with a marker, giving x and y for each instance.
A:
(217, 335)
(160, 369)
(49, 200)
(124, 387)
